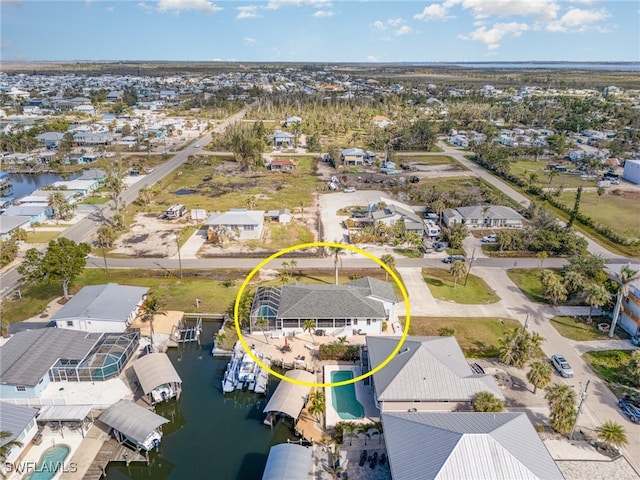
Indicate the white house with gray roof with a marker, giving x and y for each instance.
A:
(484, 216)
(243, 224)
(20, 422)
(465, 445)
(427, 374)
(357, 306)
(101, 308)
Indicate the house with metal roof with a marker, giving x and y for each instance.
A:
(32, 359)
(465, 445)
(352, 156)
(485, 216)
(20, 423)
(157, 377)
(134, 425)
(240, 223)
(427, 374)
(357, 306)
(288, 461)
(9, 223)
(282, 139)
(33, 213)
(101, 308)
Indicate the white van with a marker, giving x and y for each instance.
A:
(176, 211)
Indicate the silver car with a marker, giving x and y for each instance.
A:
(562, 366)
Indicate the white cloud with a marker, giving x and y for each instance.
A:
(404, 30)
(394, 22)
(324, 13)
(109, 9)
(5, 44)
(249, 41)
(203, 6)
(433, 12)
(145, 7)
(247, 12)
(586, 2)
(378, 25)
(278, 4)
(372, 58)
(578, 20)
(492, 37)
(543, 10)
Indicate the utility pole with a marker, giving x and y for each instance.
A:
(473, 257)
(583, 396)
(104, 256)
(526, 324)
(179, 256)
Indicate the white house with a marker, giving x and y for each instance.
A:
(248, 224)
(101, 308)
(632, 171)
(20, 422)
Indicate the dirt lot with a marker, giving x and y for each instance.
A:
(149, 236)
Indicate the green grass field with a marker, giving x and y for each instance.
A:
(42, 236)
(478, 337)
(610, 365)
(522, 168)
(476, 291)
(578, 328)
(426, 159)
(528, 280)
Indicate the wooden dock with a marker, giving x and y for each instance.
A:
(111, 451)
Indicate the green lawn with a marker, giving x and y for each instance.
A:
(95, 200)
(612, 209)
(528, 280)
(42, 237)
(522, 168)
(478, 337)
(476, 291)
(281, 236)
(577, 328)
(426, 159)
(610, 365)
(409, 252)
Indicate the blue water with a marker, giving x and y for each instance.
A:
(627, 67)
(343, 398)
(51, 462)
(24, 184)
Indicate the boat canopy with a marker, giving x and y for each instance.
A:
(289, 398)
(153, 370)
(287, 460)
(133, 421)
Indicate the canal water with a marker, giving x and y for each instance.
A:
(23, 184)
(211, 436)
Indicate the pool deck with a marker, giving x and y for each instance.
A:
(364, 394)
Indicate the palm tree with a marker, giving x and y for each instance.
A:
(458, 270)
(542, 256)
(487, 402)
(334, 468)
(350, 429)
(365, 428)
(633, 366)
(390, 261)
(56, 202)
(335, 253)
(262, 324)
(219, 338)
(562, 407)
(623, 279)
(309, 326)
(317, 404)
(517, 347)
(597, 296)
(540, 375)
(149, 309)
(612, 434)
(555, 291)
(5, 448)
(378, 426)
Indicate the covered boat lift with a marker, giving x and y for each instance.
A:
(73, 417)
(288, 461)
(158, 378)
(289, 398)
(134, 425)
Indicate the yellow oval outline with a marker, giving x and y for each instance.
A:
(312, 245)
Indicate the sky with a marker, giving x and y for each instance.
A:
(321, 30)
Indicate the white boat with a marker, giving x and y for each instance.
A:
(243, 372)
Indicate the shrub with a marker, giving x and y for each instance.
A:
(348, 353)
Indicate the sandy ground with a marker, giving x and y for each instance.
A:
(149, 236)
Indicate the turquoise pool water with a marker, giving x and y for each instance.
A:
(344, 398)
(51, 461)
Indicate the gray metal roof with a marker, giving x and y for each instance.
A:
(27, 356)
(327, 301)
(155, 369)
(495, 211)
(427, 369)
(105, 303)
(376, 288)
(287, 461)
(237, 217)
(465, 445)
(289, 398)
(64, 413)
(14, 419)
(8, 223)
(132, 420)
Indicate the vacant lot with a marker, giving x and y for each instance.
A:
(528, 280)
(577, 328)
(476, 291)
(523, 168)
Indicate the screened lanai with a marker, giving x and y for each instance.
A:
(265, 305)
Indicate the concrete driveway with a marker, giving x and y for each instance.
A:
(329, 205)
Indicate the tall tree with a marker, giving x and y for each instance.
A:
(114, 173)
(6, 446)
(540, 374)
(576, 208)
(487, 402)
(455, 234)
(390, 261)
(310, 326)
(149, 309)
(62, 262)
(562, 407)
(58, 205)
(262, 324)
(596, 296)
(350, 429)
(612, 434)
(623, 279)
(335, 253)
(317, 404)
(365, 429)
(458, 270)
(517, 347)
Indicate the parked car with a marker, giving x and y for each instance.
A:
(454, 258)
(636, 340)
(197, 145)
(630, 408)
(349, 190)
(490, 238)
(439, 246)
(561, 365)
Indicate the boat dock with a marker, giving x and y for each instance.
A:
(244, 373)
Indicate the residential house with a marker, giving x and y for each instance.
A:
(80, 187)
(450, 216)
(32, 359)
(283, 165)
(427, 374)
(247, 224)
(41, 198)
(381, 121)
(282, 139)
(9, 223)
(484, 216)
(390, 212)
(357, 306)
(93, 174)
(20, 423)
(101, 308)
(629, 319)
(293, 120)
(352, 156)
(282, 216)
(464, 445)
(632, 171)
(83, 139)
(33, 213)
(50, 140)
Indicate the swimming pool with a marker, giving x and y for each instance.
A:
(51, 462)
(343, 398)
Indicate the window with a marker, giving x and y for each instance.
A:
(21, 388)
(69, 323)
(368, 321)
(355, 321)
